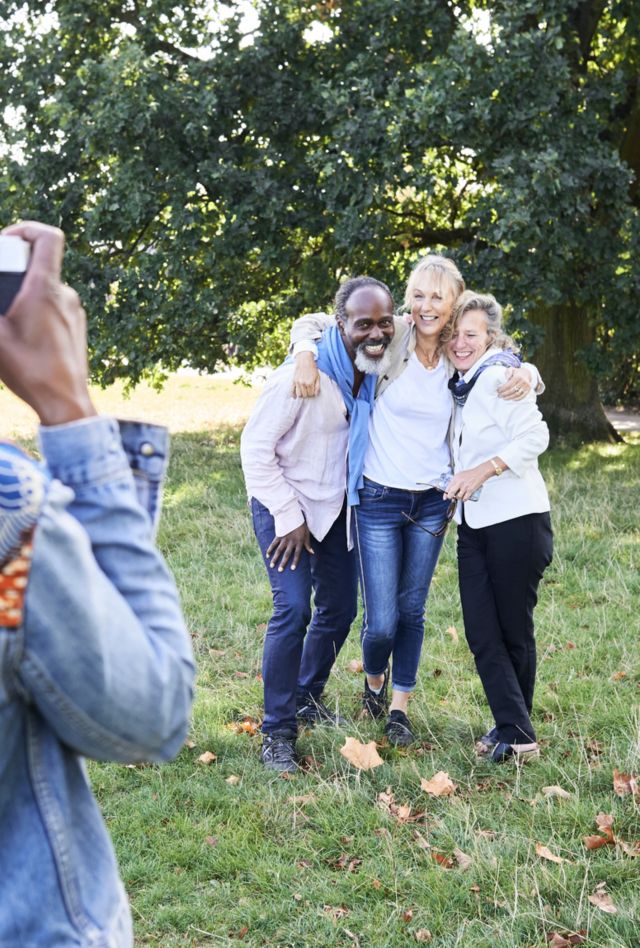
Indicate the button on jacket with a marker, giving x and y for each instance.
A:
(100, 667)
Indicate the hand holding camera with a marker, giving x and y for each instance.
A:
(43, 356)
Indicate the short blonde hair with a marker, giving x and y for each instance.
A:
(444, 272)
(487, 304)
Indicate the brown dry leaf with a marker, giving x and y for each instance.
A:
(376, 884)
(445, 861)
(208, 757)
(346, 862)
(486, 834)
(248, 725)
(595, 842)
(420, 840)
(474, 888)
(624, 784)
(603, 901)
(362, 756)
(383, 832)
(400, 812)
(545, 853)
(302, 800)
(440, 785)
(556, 940)
(238, 674)
(303, 864)
(407, 915)
(190, 744)
(462, 859)
(618, 676)
(297, 897)
(233, 780)
(261, 627)
(604, 822)
(453, 632)
(631, 849)
(217, 652)
(556, 791)
(570, 645)
(423, 934)
(335, 911)
(211, 840)
(240, 933)
(355, 666)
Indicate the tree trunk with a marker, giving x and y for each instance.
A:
(570, 404)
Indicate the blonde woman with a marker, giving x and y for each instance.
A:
(505, 540)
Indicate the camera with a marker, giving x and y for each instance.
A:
(14, 259)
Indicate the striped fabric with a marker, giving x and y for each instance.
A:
(22, 491)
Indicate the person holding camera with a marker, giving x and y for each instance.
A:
(95, 660)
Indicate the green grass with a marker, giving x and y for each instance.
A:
(211, 862)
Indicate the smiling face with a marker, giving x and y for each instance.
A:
(469, 340)
(368, 328)
(432, 300)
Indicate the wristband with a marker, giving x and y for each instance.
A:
(496, 467)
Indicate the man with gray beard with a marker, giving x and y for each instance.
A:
(297, 455)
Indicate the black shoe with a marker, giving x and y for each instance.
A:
(279, 753)
(313, 711)
(486, 743)
(398, 729)
(376, 704)
(519, 753)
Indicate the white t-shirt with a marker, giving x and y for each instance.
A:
(408, 446)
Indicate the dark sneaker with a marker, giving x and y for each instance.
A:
(398, 729)
(519, 753)
(313, 711)
(279, 753)
(376, 704)
(486, 743)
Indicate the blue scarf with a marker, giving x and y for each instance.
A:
(334, 361)
(460, 389)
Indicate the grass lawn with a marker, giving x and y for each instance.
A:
(219, 852)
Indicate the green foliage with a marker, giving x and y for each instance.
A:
(213, 184)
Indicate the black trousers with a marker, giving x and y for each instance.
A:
(500, 568)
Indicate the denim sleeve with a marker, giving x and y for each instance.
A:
(104, 653)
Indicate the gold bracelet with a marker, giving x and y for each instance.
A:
(499, 470)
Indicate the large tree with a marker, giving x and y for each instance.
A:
(213, 182)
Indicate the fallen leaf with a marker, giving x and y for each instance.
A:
(440, 785)
(407, 915)
(474, 888)
(604, 822)
(297, 897)
(618, 676)
(217, 652)
(437, 672)
(362, 756)
(308, 762)
(423, 934)
(400, 812)
(570, 645)
(233, 780)
(453, 632)
(301, 800)
(624, 784)
(445, 861)
(208, 757)
(211, 840)
(556, 791)
(261, 627)
(383, 832)
(354, 938)
(603, 901)
(462, 859)
(345, 862)
(376, 884)
(190, 744)
(595, 842)
(545, 853)
(240, 933)
(303, 864)
(355, 666)
(335, 911)
(486, 834)
(556, 940)
(631, 849)
(247, 725)
(241, 674)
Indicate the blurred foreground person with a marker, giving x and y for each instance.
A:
(94, 657)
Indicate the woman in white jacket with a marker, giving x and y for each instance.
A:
(505, 540)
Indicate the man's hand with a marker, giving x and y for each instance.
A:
(517, 385)
(306, 378)
(43, 350)
(289, 547)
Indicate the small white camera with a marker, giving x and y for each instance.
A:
(14, 260)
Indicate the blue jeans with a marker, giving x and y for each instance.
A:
(396, 560)
(299, 651)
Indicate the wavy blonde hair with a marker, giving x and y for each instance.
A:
(487, 304)
(444, 272)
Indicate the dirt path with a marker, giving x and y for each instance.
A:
(624, 420)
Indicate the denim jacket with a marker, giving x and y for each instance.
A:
(102, 667)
